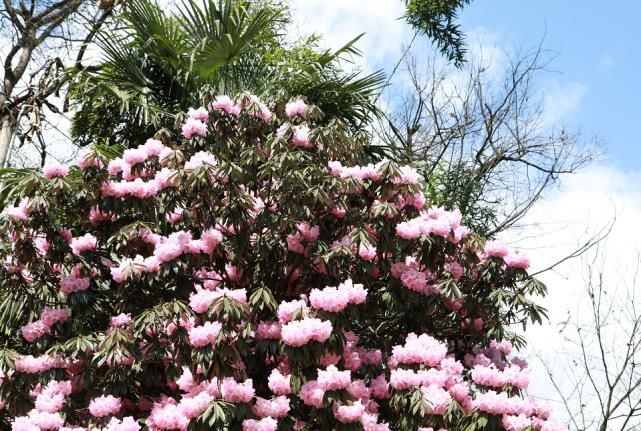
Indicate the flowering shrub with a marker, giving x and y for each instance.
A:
(261, 273)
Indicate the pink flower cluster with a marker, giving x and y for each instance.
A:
(263, 111)
(348, 413)
(37, 421)
(201, 300)
(138, 188)
(336, 299)
(51, 398)
(235, 392)
(278, 383)
(200, 336)
(331, 379)
(140, 154)
(421, 349)
(126, 424)
(297, 107)
(361, 409)
(74, 282)
(512, 258)
(300, 137)
(268, 331)
(167, 249)
(437, 222)
(104, 405)
(369, 172)
(275, 408)
(32, 365)
(19, 213)
(120, 320)
(84, 243)
(492, 377)
(199, 114)
(414, 278)
(224, 103)
(194, 127)
(199, 159)
(306, 234)
(297, 333)
(55, 170)
(32, 331)
(264, 424)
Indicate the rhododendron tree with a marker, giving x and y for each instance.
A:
(245, 275)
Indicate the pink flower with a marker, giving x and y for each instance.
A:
(234, 392)
(517, 260)
(421, 349)
(279, 383)
(54, 170)
(31, 365)
(300, 332)
(193, 127)
(199, 159)
(336, 299)
(263, 111)
(265, 424)
(37, 329)
(200, 336)
(104, 406)
(287, 310)
(224, 103)
(300, 138)
(268, 331)
(379, 387)
(120, 320)
(126, 424)
(516, 423)
(297, 107)
(199, 114)
(166, 415)
(331, 379)
(84, 243)
(276, 408)
(311, 393)
(436, 399)
(19, 213)
(71, 284)
(349, 413)
(496, 249)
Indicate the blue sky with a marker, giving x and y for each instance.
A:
(599, 47)
(595, 79)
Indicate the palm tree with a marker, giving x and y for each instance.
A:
(158, 63)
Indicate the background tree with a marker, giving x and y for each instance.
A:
(31, 31)
(598, 377)
(481, 135)
(157, 63)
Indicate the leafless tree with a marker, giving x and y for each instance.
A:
(598, 376)
(484, 131)
(39, 37)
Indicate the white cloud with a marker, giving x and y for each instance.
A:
(586, 203)
(339, 21)
(561, 101)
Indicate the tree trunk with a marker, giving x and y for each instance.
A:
(6, 133)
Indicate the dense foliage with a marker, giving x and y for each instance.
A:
(157, 62)
(257, 273)
(436, 19)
